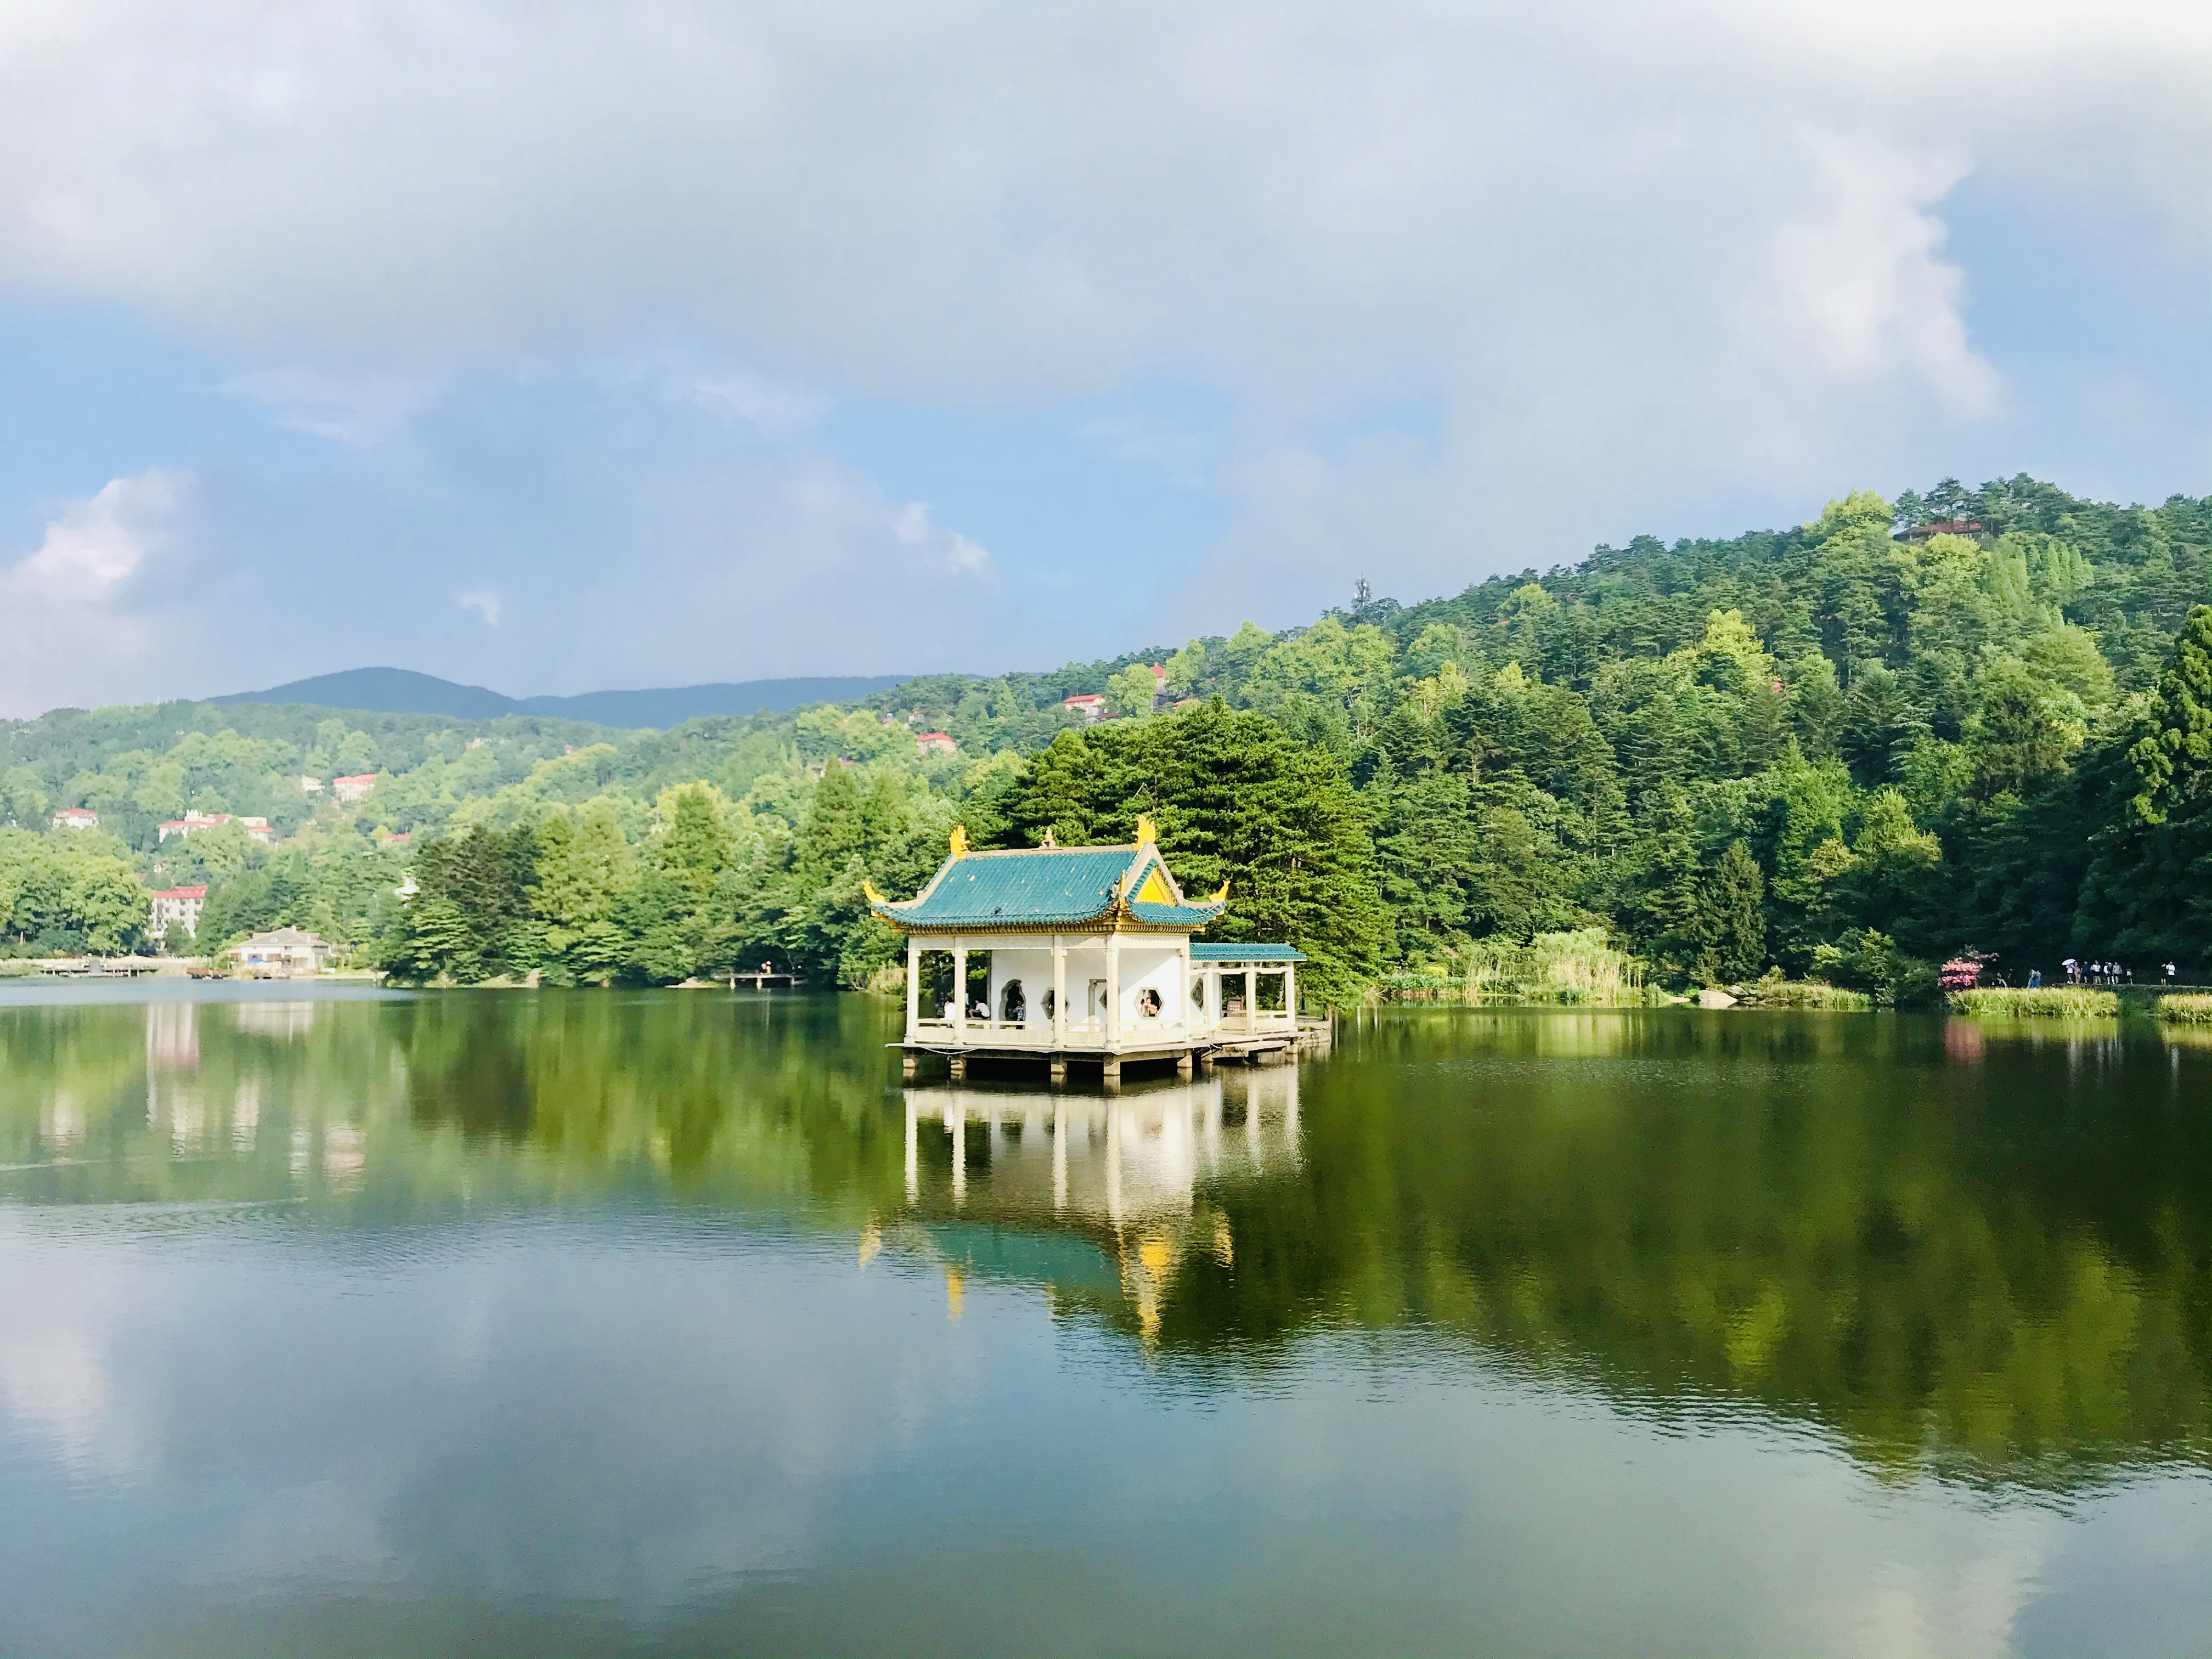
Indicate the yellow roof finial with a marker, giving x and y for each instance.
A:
(869, 887)
(1222, 896)
(1147, 835)
(959, 841)
(1049, 841)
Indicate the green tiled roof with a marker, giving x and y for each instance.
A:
(1041, 886)
(1213, 953)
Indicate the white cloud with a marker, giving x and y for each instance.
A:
(770, 407)
(76, 617)
(360, 410)
(485, 603)
(1623, 257)
(944, 548)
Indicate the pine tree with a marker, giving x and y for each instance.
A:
(1730, 924)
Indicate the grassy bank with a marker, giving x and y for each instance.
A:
(1804, 993)
(2047, 1002)
(2185, 1009)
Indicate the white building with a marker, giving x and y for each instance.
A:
(77, 817)
(1087, 955)
(192, 822)
(356, 788)
(175, 907)
(286, 953)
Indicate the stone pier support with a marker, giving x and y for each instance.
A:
(1059, 1072)
(959, 1064)
(1185, 1064)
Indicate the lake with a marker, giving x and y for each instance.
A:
(344, 1322)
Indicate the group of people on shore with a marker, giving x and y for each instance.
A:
(2104, 973)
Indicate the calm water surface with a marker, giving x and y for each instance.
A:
(674, 1323)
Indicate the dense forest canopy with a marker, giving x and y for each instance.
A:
(1967, 720)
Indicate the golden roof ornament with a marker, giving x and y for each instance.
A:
(1222, 896)
(1049, 840)
(1146, 835)
(869, 888)
(959, 841)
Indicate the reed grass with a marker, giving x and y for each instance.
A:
(2046, 1002)
(2185, 1010)
(1804, 993)
(1573, 968)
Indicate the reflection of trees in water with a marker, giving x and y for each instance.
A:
(1994, 1256)
(1998, 1267)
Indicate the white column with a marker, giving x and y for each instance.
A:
(1182, 985)
(913, 985)
(1059, 992)
(1112, 989)
(1251, 1002)
(1291, 993)
(959, 990)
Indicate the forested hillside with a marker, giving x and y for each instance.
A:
(1975, 718)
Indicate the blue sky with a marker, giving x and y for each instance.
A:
(558, 347)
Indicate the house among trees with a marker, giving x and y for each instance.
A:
(353, 788)
(285, 953)
(1091, 705)
(175, 906)
(259, 829)
(1921, 532)
(192, 822)
(1083, 953)
(77, 817)
(935, 743)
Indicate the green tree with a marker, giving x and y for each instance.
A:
(1729, 922)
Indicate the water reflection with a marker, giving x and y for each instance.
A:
(1088, 1194)
(1973, 1248)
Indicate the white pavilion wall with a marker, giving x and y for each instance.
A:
(1144, 966)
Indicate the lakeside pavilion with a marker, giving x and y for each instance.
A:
(1085, 953)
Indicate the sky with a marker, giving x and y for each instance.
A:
(556, 347)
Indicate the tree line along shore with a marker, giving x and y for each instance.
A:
(1972, 725)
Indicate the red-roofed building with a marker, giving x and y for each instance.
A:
(77, 817)
(260, 829)
(356, 788)
(935, 743)
(1089, 704)
(175, 906)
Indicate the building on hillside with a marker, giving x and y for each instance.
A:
(286, 953)
(1084, 953)
(356, 788)
(176, 907)
(1921, 532)
(189, 824)
(77, 817)
(935, 743)
(1090, 705)
(260, 829)
(311, 786)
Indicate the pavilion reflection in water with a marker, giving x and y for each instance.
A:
(1087, 1194)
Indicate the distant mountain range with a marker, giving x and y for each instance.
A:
(403, 691)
